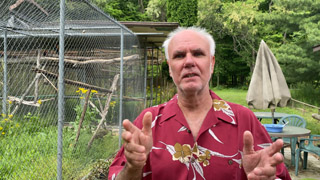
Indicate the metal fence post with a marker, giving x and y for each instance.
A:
(151, 80)
(145, 75)
(5, 73)
(121, 86)
(61, 90)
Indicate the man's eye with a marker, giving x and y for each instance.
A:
(198, 54)
(178, 56)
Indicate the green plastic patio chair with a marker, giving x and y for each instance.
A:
(306, 148)
(292, 120)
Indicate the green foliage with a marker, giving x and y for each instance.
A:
(157, 10)
(306, 92)
(7, 126)
(290, 28)
(182, 11)
(122, 10)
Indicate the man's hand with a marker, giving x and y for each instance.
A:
(260, 164)
(137, 143)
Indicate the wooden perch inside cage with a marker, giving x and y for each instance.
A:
(71, 82)
(93, 61)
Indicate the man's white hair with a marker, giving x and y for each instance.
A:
(200, 31)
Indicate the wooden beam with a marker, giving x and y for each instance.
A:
(71, 82)
(104, 61)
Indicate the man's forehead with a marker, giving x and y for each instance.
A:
(189, 38)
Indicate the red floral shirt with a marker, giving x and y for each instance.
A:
(216, 153)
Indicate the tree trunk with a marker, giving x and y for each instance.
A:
(141, 6)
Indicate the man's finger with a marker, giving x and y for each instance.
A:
(277, 159)
(126, 136)
(265, 172)
(127, 125)
(247, 142)
(132, 147)
(147, 121)
(275, 147)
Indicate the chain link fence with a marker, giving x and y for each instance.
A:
(96, 65)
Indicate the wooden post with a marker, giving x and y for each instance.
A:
(82, 115)
(105, 111)
(36, 84)
(26, 92)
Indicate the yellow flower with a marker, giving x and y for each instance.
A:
(39, 101)
(183, 153)
(17, 125)
(219, 104)
(3, 133)
(10, 116)
(195, 149)
(81, 97)
(6, 120)
(113, 103)
(1, 128)
(203, 158)
(94, 91)
(82, 90)
(10, 102)
(3, 115)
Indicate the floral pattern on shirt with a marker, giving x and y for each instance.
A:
(194, 156)
(221, 105)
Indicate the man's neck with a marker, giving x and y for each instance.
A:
(195, 109)
(194, 102)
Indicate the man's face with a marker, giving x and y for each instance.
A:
(190, 63)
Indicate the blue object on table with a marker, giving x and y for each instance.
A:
(274, 128)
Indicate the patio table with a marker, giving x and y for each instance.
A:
(292, 131)
(268, 115)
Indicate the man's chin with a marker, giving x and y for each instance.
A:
(189, 89)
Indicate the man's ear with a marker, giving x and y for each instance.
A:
(213, 61)
(170, 73)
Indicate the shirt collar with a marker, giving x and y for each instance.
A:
(221, 109)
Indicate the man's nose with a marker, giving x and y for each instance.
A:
(189, 61)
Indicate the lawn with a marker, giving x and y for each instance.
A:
(239, 96)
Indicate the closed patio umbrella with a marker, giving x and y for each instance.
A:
(268, 87)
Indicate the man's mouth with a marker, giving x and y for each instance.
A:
(190, 75)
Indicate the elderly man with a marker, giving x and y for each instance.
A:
(196, 135)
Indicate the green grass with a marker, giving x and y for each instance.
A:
(239, 96)
(26, 155)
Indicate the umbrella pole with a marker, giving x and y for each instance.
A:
(272, 113)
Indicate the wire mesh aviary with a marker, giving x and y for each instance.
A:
(93, 53)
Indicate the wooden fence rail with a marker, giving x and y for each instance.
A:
(315, 116)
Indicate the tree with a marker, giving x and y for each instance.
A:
(182, 11)
(124, 10)
(289, 27)
(157, 10)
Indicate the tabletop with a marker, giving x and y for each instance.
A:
(268, 115)
(292, 131)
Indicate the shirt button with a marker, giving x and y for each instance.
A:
(189, 131)
(230, 162)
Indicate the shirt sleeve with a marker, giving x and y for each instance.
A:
(117, 164)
